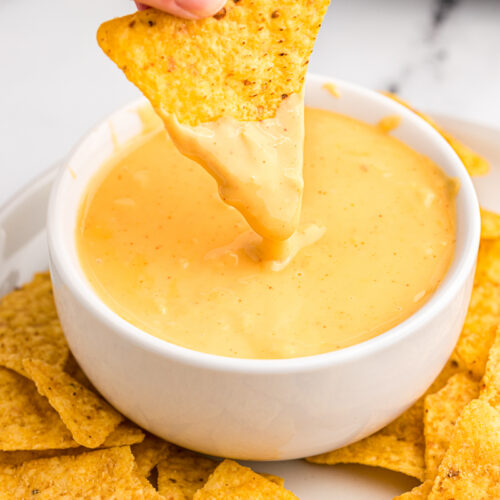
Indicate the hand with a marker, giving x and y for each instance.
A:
(189, 9)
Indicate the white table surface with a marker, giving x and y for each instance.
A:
(443, 55)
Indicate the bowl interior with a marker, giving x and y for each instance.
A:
(90, 154)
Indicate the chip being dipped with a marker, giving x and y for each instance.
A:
(230, 87)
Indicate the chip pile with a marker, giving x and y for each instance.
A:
(450, 438)
(60, 439)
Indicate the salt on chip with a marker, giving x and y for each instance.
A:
(89, 418)
(490, 384)
(242, 62)
(474, 163)
(29, 326)
(490, 225)
(106, 473)
(232, 480)
(27, 421)
(183, 473)
(471, 466)
(420, 492)
(442, 410)
(149, 453)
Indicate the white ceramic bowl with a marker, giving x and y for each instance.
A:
(260, 409)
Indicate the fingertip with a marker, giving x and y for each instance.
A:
(201, 8)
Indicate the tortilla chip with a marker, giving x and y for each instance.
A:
(183, 473)
(490, 225)
(149, 453)
(126, 433)
(442, 410)
(420, 492)
(232, 480)
(29, 326)
(99, 474)
(379, 450)
(242, 62)
(27, 421)
(471, 466)
(490, 385)
(483, 316)
(488, 265)
(474, 163)
(13, 458)
(399, 446)
(89, 418)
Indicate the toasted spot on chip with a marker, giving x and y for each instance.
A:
(126, 433)
(420, 492)
(490, 384)
(149, 453)
(474, 163)
(471, 467)
(29, 326)
(183, 473)
(89, 418)
(232, 480)
(442, 410)
(239, 65)
(27, 421)
(490, 225)
(106, 473)
(379, 450)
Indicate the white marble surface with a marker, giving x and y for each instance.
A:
(443, 55)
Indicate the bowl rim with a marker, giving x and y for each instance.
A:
(454, 279)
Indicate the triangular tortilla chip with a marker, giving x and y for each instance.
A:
(442, 410)
(99, 474)
(483, 316)
(232, 480)
(471, 466)
(379, 450)
(89, 418)
(241, 63)
(490, 385)
(27, 421)
(29, 326)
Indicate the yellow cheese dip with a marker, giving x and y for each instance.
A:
(165, 253)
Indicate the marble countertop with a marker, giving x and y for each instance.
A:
(442, 55)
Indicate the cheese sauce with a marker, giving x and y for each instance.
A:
(376, 237)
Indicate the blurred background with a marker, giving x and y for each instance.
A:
(55, 83)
